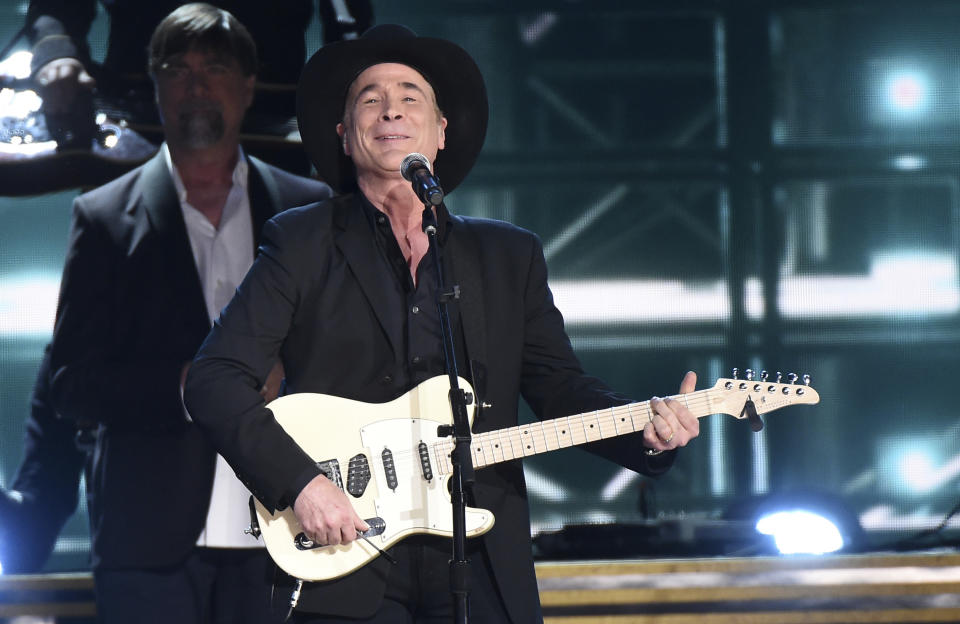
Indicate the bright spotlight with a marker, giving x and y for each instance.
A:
(907, 92)
(801, 532)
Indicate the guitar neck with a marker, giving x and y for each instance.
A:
(549, 435)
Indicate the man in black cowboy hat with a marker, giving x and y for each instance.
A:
(344, 292)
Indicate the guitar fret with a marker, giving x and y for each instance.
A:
(591, 428)
(633, 422)
(604, 422)
(527, 443)
(498, 447)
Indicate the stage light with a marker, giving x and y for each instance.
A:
(909, 162)
(799, 522)
(800, 531)
(17, 65)
(907, 92)
(28, 303)
(917, 467)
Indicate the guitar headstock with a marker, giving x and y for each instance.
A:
(749, 397)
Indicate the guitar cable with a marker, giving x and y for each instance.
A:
(294, 599)
(385, 554)
(295, 595)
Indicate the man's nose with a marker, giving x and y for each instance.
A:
(197, 80)
(390, 110)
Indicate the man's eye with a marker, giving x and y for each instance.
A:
(217, 69)
(175, 71)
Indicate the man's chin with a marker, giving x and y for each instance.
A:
(198, 130)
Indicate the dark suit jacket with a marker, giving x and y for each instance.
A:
(131, 313)
(315, 295)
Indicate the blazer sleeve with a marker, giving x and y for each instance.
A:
(554, 383)
(48, 483)
(222, 388)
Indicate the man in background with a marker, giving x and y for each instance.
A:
(153, 257)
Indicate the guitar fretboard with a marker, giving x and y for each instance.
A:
(549, 435)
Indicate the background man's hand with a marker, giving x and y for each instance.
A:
(271, 387)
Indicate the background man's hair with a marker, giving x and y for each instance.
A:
(201, 26)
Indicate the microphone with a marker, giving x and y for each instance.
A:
(415, 168)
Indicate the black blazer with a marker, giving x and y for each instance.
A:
(131, 313)
(314, 295)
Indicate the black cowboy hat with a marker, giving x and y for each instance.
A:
(454, 76)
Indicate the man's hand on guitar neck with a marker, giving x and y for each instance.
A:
(325, 514)
(672, 424)
(60, 82)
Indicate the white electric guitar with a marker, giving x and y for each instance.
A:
(394, 467)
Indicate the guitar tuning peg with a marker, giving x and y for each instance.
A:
(806, 380)
(748, 374)
(764, 375)
(792, 377)
(736, 371)
(779, 376)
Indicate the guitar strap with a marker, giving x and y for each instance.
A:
(466, 259)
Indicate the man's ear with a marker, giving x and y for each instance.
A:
(250, 88)
(442, 135)
(343, 138)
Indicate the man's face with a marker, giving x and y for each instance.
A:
(202, 97)
(390, 112)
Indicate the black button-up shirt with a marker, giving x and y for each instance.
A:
(417, 303)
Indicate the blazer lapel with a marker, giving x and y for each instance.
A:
(162, 207)
(264, 196)
(358, 246)
(466, 259)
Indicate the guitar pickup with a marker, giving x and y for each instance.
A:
(358, 475)
(389, 469)
(425, 468)
(377, 526)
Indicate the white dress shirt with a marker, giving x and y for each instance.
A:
(222, 255)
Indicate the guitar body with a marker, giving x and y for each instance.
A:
(376, 452)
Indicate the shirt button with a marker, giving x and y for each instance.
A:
(387, 379)
(417, 359)
(381, 219)
(415, 309)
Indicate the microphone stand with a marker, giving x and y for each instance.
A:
(460, 430)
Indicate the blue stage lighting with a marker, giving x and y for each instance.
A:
(907, 92)
(799, 531)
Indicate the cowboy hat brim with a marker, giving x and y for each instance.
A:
(454, 76)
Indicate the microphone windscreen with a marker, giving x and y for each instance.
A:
(407, 168)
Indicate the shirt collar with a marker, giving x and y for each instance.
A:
(443, 216)
(239, 178)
